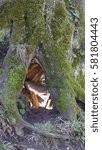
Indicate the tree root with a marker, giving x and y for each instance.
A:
(44, 133)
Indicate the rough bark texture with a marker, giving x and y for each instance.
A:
(48, 32)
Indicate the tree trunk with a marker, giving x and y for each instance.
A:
(50, 40)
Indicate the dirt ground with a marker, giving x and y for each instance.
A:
(43, 119)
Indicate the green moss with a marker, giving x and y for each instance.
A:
(61, 26)
(76, 61)
(39, 32)
(59, 69)
(76, 88)
(67, 4)
(16, 77)
(80, 92)
(15, 83)
(57, 47)
(63, 101)
(9, 102)
(1, 72)
(81, 79)
(17, 72)
(13, 60)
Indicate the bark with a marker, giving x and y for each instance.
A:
(50, 40)
(12, 80)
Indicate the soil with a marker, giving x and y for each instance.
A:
(41, 115)
(30, 141)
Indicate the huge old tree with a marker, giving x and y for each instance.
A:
(51, 32)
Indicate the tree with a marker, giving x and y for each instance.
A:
(45, 30)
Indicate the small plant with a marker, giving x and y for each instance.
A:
(79, 129)
(73, 13)
(46, 127)
(1, 146)
(21, 106)
(6, 145)
(3, 113)
(82, 53)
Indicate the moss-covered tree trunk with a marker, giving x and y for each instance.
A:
(47, 32)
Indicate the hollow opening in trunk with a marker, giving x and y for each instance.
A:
(35, 89)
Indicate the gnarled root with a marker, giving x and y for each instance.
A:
(42, 133)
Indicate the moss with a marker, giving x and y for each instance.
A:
(1, 72)
(81, 79)
(39, 32)
(80, 92)
(16, 77)
(61, 26)
(57, 47)
(63, 102)
(17, 70)
(76, 88)
(15, 83)
(76, 61)
(13, 60)
(22, 28)
(58, 68)
(67, 3)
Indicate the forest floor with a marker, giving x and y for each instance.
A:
(45, 120)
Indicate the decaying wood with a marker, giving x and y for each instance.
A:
(35, 89)
(35, 73)
(31, 97)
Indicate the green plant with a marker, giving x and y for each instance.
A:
(3, 33)
(1, 146)
(21, 106)
(3, 114)
(46, 127)
(82, 53)
(6, 145)
(75, 13)
(79, 129)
